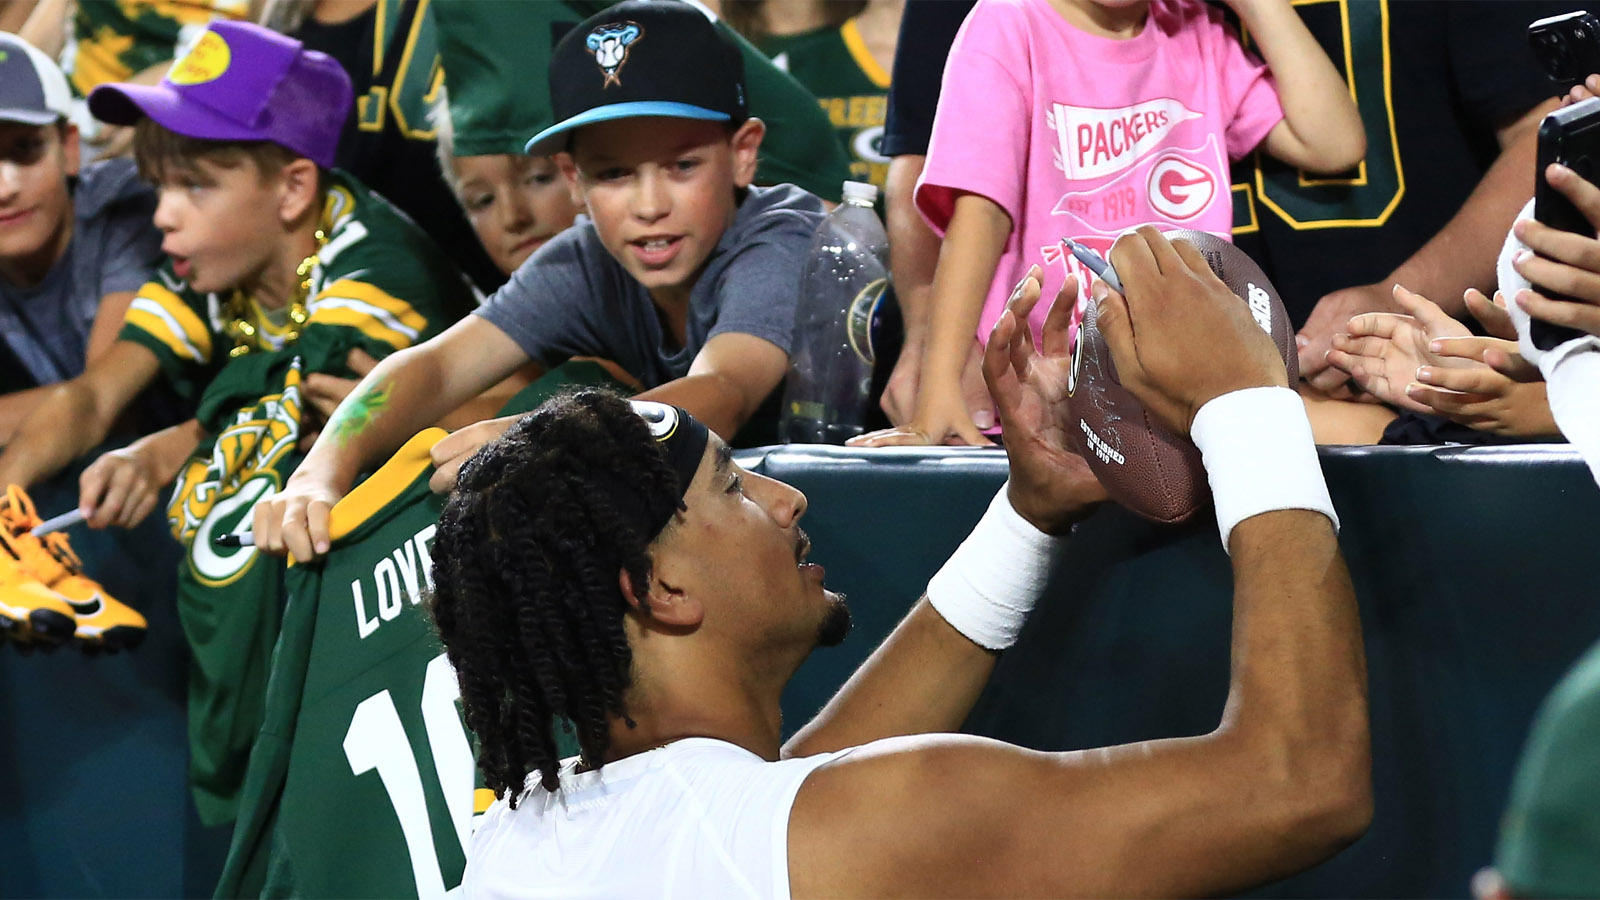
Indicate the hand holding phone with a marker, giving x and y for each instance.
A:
(1571, 137)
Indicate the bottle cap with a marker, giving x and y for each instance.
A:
(859, 190)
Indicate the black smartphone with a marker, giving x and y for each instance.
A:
(1568, 46)
(1571, 137)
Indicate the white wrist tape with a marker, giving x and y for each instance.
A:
(989, 585)
(1259, 456)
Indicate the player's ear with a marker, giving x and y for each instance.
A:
(660, 602)
(746, 144)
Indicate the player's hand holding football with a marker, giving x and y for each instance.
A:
(451, 452)
(1050, 484)
(1178, 336)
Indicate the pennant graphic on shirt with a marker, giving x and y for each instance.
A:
(1093, 143)
(1175, 185)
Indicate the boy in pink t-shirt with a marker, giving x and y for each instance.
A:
(1084, 119)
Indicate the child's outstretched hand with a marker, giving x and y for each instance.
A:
(942, 418)
(1381, 352)
(1495, 395)
(1491, 314)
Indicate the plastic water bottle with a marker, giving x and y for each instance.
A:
(830, 362)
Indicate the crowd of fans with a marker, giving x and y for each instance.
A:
(238, 256)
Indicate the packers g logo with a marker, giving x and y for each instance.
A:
(661, 419)
(609, 44)
(208, 61)
(216, 494)
(216, 566)
(868, 144)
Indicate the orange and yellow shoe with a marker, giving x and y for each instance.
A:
(103, 621)
(29, 611)
(100, 620)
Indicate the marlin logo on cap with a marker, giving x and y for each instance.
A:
(609, 44)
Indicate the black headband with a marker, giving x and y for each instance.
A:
(681, 437)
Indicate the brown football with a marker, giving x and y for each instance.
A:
(1144, 466)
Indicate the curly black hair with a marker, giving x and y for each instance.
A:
(526, 595)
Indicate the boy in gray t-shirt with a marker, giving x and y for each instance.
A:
(573, 298)
(681, 273)
(75, 245)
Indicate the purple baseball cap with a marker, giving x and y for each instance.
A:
(241, 82)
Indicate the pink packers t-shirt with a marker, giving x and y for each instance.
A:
(1086, 137)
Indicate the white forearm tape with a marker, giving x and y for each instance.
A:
(989, 585)
(1259, 456)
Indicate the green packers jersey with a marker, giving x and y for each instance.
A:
(113, 40)
(379, 285)
(363, 781)
(487, 46)
(363, 746)
(853, 90)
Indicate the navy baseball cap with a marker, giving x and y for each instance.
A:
(33, 90)
(642, 58)
(242, 82)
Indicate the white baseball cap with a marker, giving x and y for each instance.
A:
(33, 89)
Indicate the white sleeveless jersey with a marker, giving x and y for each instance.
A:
(697, 818)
